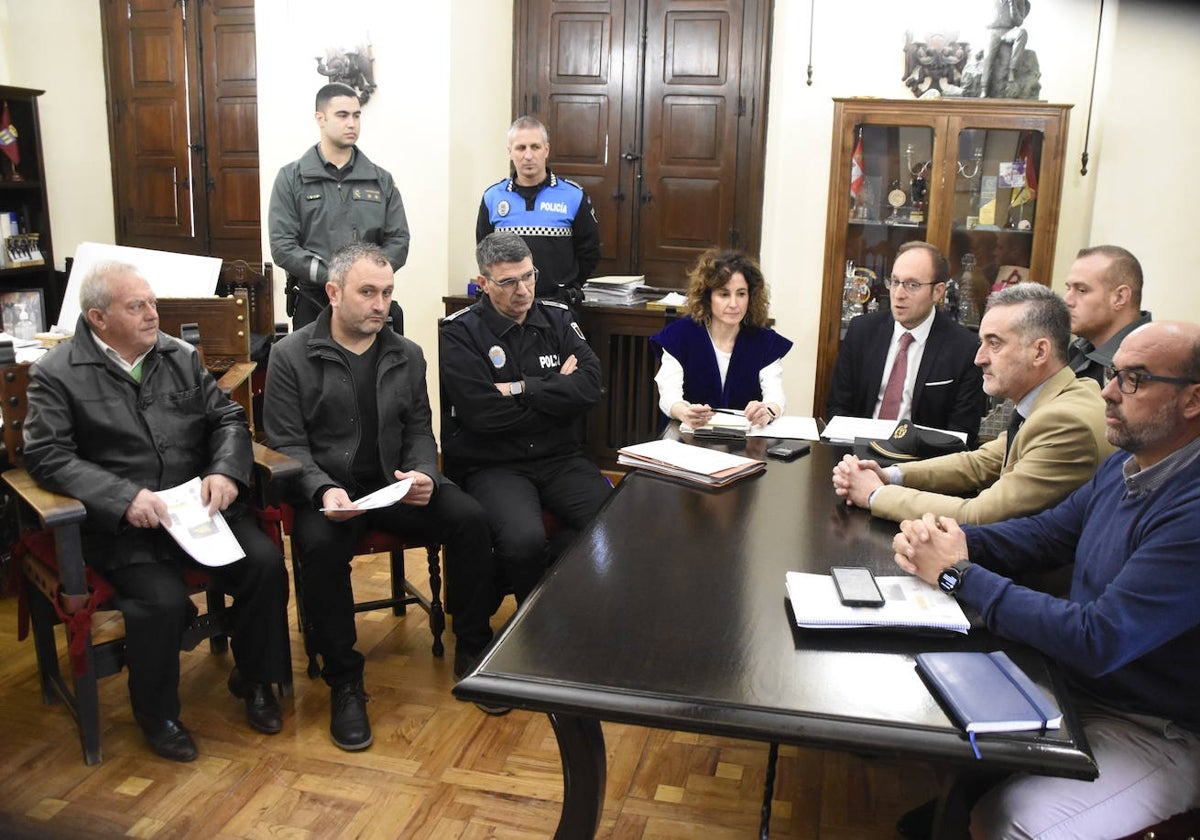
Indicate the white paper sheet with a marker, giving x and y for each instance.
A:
(845, 429)
(206, 538)
(383, 497)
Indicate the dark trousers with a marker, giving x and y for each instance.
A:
(326, 548)
(154, 601)
(514, 495)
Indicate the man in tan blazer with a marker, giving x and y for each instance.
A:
(1058, 429)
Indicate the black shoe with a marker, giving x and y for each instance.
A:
(917, 824)
(348, 724)
(464, 663)
(170, 740)
(262, 708)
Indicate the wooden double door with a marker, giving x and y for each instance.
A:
(183, 125)
(658, 109)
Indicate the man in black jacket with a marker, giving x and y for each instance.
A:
(940, 385)
(517, 379)
(348, 400)
(119, 412)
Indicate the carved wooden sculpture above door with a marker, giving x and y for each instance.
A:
(183, 125)
(658, 109)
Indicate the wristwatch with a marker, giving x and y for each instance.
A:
(952, 577)
(516, 388)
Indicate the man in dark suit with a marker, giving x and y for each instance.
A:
(935, 381)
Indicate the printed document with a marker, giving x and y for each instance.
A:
(206, 538)
(908, 602)
(385, 496)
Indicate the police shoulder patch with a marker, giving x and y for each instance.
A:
(572, 183)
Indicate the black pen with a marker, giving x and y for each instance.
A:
(733, 411)
(770, 411)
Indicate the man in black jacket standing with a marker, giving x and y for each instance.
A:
(119, 412)
(517, 379)
(347, 399)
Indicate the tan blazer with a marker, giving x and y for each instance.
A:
(1058, 448)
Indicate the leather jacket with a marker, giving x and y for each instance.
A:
(95, 433)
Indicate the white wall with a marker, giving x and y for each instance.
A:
(1144, 151)
(54, 45)
(438, 120)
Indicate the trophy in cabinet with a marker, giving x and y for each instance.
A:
(918, 186)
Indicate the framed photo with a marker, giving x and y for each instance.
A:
(23, 312)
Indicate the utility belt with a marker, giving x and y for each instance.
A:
(295, 288)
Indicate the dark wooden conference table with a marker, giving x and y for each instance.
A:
(670, 611)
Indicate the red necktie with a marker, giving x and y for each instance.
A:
(893, 394)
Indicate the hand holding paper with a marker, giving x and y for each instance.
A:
(338, 507)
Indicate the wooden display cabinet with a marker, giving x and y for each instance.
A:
(25, 287)
(979, 178)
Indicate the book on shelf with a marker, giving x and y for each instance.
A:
(987, 692)
(907, 602)
(692, 463)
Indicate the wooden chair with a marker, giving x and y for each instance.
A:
(404, 592)
(220, 328)
(58, 588)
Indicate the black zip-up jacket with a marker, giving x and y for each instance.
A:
(480, 347)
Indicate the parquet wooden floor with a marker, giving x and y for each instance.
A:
(438, 768)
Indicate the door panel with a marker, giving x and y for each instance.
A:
(231, 128)
(184, 135)
(690, 151)
(571, 71)
(651, 105)
(148, 69)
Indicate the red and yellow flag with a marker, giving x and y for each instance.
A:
(8, 137)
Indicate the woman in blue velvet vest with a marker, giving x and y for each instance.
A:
(723, 354)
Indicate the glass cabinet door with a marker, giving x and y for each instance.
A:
(889, 205)
(992, 224)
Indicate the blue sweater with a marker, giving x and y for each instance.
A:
(753, 349)
(1129, 632)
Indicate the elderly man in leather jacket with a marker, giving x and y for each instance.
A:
(116, 413)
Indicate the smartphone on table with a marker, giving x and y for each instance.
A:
(856, 586)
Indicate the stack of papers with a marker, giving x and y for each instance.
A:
(614, 291)
(693, 463)
(907, 602)
(783, 428)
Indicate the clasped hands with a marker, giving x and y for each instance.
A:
(855, 479)
(926, 546)
(339, 507)
(147, 510)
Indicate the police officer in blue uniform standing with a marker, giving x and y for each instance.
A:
(554, 216)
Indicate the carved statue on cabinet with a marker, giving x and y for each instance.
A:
(934, 66)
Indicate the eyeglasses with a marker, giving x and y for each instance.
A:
(910, 286)
(1129, 380)
(529, 278)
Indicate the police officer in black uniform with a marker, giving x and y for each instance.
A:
(517, 379)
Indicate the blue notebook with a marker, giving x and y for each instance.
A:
(987, 692)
